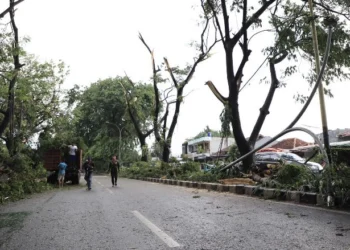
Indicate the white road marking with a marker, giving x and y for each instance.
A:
(157, 231)
(110, 191)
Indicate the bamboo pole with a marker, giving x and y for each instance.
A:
(320, 87)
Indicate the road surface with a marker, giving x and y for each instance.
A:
(145, 215)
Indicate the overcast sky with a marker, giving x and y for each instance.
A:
(99, 39)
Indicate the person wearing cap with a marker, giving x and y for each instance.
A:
(114, 167)
(88, 167)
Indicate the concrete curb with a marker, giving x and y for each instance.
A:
(255, 191)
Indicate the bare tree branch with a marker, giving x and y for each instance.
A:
(10, 8)
(323, 6)
(131, 82)
(244, 46)
(216, 20)
(156, 92)
(149, 132)
(166, 93)
(170, 71)
(264, 110)
(249, 22)
(226, 22)
(216, 92)
(205, 29)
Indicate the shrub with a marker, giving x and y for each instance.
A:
(187, 171)
(190, 167)
(22, 180)
(201, 177)
(339, 183)
(295, 177)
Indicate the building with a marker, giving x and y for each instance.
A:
(336, 135)
(290, 143)
(202, 148)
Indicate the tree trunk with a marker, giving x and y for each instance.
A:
(144, 152)
(166, 152)
(4, 122)
(242, 144)
(264, 110)
(168, 139)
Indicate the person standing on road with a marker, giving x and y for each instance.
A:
(114, 167)
(88, 167)
(61, 173)
(72, 155)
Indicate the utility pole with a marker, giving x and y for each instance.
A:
(120, 138)
(320, 88)
(120, 142)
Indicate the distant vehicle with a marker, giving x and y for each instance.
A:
(274, 158)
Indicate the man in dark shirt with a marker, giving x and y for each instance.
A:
(88, 167)
(114, 167)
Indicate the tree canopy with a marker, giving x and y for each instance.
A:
(288, 22)
(101, 115)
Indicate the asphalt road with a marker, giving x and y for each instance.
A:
(145, 215)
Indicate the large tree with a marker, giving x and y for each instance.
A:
(179, 79)
(10, 66)
(289, 24)
(102, 114)
(36, 101)
(139, 99)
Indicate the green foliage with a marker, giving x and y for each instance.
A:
(234, 153)
(293, 35)
(205, 132)
(22, 179)
(201, 177)
(157, 150)
(190, 167)
(187, 171)
(226, 118)
(37, 97)
(101, 115)
(294, 176)
(144, 169)
(339, 182)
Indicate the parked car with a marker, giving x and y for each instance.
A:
(264, 160)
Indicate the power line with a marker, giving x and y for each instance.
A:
(254, 73)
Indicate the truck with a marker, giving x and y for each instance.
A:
(52, 158)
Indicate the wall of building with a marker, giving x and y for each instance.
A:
(211, 146)
(215, 144)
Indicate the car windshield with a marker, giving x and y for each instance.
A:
(292, 157)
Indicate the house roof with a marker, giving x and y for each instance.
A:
(335, 135)
(344, 135)
(261, 140)
(290, 143)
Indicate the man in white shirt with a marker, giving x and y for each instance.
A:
(72, 155)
